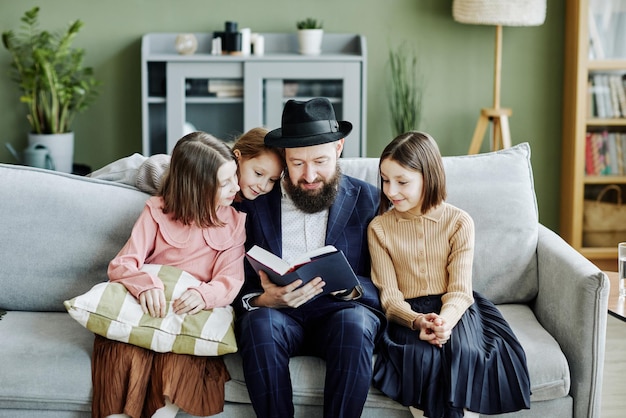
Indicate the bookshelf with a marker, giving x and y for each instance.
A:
(226, 95)
(594, 48)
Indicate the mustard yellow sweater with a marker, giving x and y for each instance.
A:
(417, 255)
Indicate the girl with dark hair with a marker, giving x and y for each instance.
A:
(189, 224)
(447, 351)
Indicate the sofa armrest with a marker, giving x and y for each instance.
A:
(572, 304)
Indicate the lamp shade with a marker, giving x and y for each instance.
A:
(500, 12)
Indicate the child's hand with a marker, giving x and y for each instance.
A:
(152, 302)
(433, 329)
(190, 302)
(441, 330)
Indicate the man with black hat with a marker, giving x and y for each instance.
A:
(314, 206)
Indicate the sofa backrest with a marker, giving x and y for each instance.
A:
(497, 190)
(58, 233)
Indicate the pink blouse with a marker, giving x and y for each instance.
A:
(213, 255)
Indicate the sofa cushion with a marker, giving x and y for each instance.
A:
(307, 374)
(504, 212)
(108, 309)
(49, 259)
(548, 367)
(46, 362)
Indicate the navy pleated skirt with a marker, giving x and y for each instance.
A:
(481, 368)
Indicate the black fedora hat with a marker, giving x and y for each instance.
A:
(307, 123)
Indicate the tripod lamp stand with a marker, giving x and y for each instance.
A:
(498, 13)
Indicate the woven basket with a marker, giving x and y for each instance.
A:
(604, 223)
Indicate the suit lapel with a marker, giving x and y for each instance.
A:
(268, 213)
(341, 210)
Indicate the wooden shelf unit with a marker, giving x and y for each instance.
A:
(575, 184)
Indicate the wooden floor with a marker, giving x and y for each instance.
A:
(614, 383)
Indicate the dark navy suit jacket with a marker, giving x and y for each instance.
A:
(355, 206)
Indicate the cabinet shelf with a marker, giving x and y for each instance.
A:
(609, 179)
(213, 100)
(607, 65)
(175, 88)
(606, 122)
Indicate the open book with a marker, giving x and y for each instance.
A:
(326, 262)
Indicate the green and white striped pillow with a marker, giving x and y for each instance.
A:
(108, 309)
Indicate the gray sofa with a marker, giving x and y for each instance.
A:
(59, 232)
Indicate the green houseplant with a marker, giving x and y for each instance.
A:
(50, 73)
(405, 90)
(310, 34)
(310, 23)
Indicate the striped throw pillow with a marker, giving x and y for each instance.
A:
(109, 310)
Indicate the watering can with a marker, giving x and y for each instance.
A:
(36, 155)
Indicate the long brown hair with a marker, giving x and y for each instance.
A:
(417, 151)
(251, 144)
(190, 185)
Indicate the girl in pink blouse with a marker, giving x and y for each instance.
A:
(189, 224)
(447, 350)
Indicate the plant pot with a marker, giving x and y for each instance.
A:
(310, 41)
(61, 148)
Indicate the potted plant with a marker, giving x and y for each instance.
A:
(310, 34)
(54, 82)
(405, 90)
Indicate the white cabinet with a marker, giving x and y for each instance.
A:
(227, 95)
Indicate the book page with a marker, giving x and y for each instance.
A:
(279, 265)
(306, 257)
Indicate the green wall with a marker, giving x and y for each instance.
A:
(455, 59)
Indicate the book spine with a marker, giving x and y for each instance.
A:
(598, 92)
(621, 94)
(613, 90)
(589, 156)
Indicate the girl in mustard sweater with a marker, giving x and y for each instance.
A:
(448, 350)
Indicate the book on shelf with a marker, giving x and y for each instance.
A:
(218, 84)
(326, 262)
(611, 150)
(601, 96)
(618, 86)
(614, 97)
(590, 165)
(605, 153)
(225, 87)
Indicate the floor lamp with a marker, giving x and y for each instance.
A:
(498, 13)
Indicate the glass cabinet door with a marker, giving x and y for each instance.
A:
(268, 86)
(205, 97)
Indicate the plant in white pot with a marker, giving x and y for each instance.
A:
(54, 82)
(310, 35)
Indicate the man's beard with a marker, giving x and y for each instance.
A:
(313, 201)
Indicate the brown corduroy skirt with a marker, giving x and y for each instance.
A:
(135, 381)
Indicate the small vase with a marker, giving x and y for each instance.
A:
(310, 41)
(61, 148)
(186, 43)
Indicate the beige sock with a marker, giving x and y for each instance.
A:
(168, 411)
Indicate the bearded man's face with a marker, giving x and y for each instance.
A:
(312, 175)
